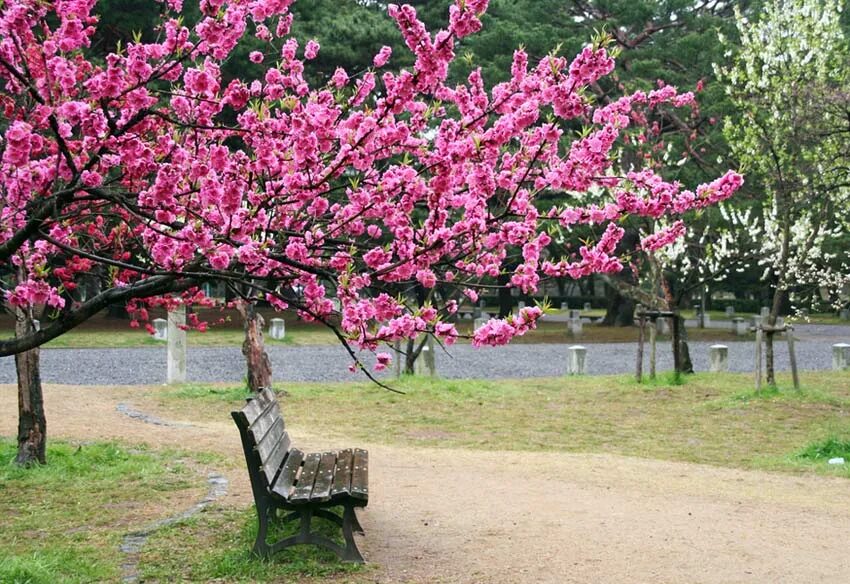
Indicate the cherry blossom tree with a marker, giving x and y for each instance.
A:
(150, 167)
(789, 83)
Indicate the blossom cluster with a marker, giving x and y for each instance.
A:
(352, 191)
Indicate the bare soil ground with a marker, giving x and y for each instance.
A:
(464, 516)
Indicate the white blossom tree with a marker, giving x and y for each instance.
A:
(788, 81)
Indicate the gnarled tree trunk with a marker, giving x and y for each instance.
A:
(254, 348)
(32, 424)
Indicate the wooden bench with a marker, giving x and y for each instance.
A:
(289, 484)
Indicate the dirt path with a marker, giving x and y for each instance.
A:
(507, 517)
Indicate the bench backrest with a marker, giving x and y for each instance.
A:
(264, 438)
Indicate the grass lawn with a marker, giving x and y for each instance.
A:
(65, 522)
(711, 418)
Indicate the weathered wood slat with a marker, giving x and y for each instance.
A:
(342, 473)
(360, 474)
(304, 486)
(324, 478)
(266, 442)
(271, 465)
(283, 486)
(260, 404)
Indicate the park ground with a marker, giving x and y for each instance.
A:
(536, 480)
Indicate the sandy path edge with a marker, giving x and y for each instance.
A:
(445, 515)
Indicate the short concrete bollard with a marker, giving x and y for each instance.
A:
(739, 326)
(277, 328)
(587, 307)
(718, 356)
(520, 305)
(844, 314)
(576, 360)
(730, 311)
(479, 322)
(176, 370)
(662, 325)
(425, 364)
(765, 312)
(840, 357)
(564, 306)
(160, 329)
(575, 326)
(757, 321)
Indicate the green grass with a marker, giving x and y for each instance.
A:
(710, 418)
(218, 544)
(63, 522)
(121, 336)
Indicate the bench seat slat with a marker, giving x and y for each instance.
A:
(283, 486)
(324, 478)
(342, 474)
(306, 480)
(360, 474)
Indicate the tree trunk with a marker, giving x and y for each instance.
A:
(254, 349)
(410, 357)
(769, 362)
(505, 299)
(685, 362)
(32, 424)
(620, 309)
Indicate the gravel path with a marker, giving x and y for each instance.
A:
(144, 366)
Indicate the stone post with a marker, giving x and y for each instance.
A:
(757, 321)
(575, 327)
(479, 322)
(176, 371)
(160, 329)
(576, 360)
(564, 306)
(277, 328)
(739, 326)
(840, 357)
(520, 305)
(587, 307)
(765, 312)
(398, 357)
(730, 311)
(718, 356)
(844, 314)
(663, 326)
(425, 364)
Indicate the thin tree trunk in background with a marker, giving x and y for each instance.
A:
(769, 361)
(685, 362)
(410, 357)
(505, 299)
(32, 423)
(254, 348)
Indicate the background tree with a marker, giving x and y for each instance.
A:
(789, 84)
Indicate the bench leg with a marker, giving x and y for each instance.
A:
(349, 553)
(349, 521)
(261, 547)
